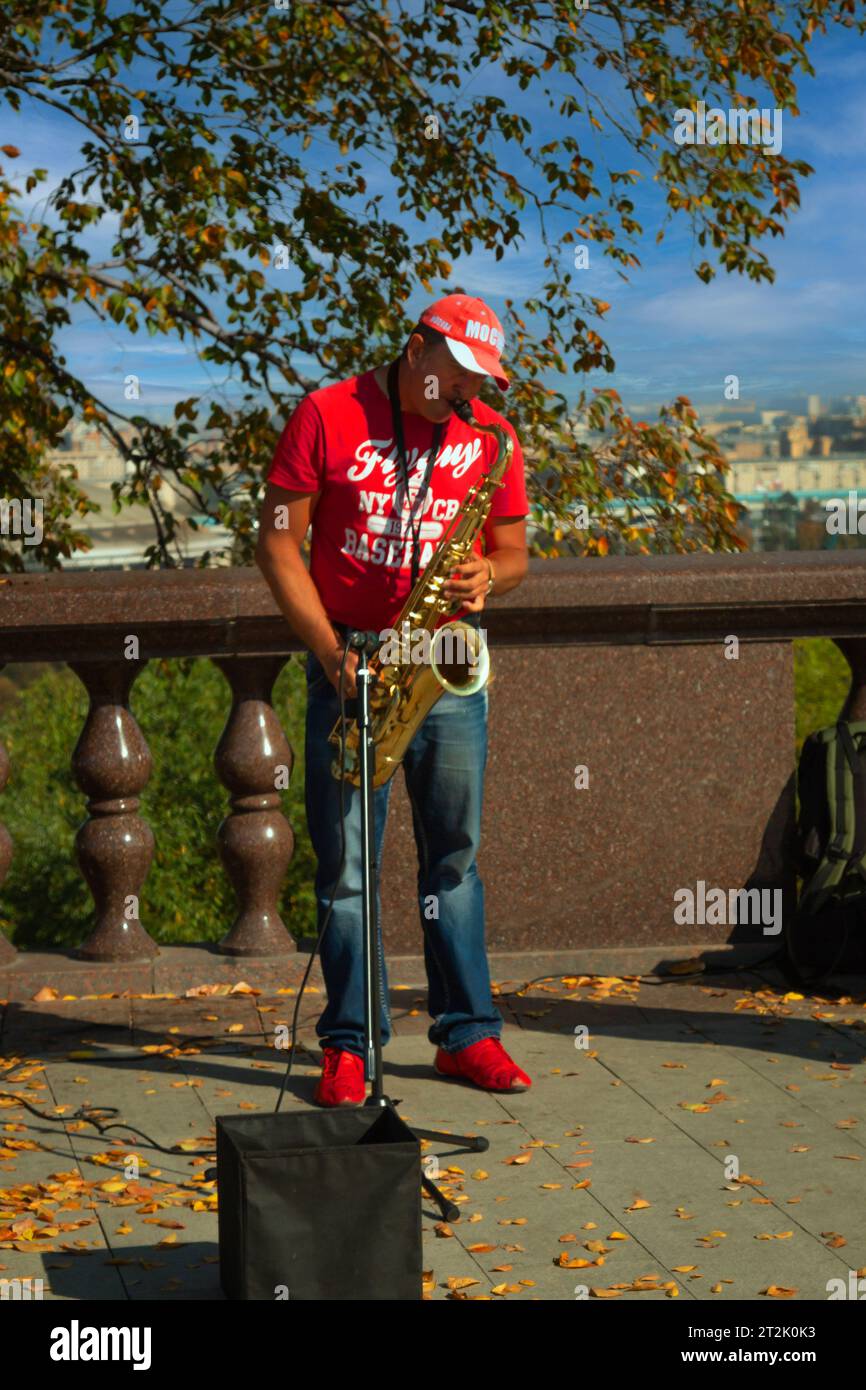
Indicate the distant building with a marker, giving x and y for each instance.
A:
(794, 440)
(120, 540)
(755, 476)
(96, 460)
(753, 441)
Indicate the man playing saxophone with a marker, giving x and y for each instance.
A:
(379, 466)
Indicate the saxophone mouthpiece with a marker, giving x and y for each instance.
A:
(464, 410)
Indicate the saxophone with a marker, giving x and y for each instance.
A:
(403, 691)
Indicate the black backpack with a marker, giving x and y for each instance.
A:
(831, 834)
(831, 849)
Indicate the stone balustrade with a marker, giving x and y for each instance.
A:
(616, 664)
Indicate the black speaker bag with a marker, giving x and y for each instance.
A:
(319, 1205)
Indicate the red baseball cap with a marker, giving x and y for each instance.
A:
(472, 331)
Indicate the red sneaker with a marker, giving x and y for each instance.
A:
(342, 1080)
(486, 1063)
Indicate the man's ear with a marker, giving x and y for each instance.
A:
(415, 349)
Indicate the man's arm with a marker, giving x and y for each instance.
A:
(508, 555)
(278, 556)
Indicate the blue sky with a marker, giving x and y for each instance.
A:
(670, 334)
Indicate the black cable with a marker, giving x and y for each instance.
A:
(81, 1114)
(321, 933)
(646, 979)
(777, 955)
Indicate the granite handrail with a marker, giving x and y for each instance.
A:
(229, 615)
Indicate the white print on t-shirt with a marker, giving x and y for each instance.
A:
(374, 504)
(394, 554)
(386, 541)
(457, 457)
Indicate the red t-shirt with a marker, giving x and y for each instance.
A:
(339, 442)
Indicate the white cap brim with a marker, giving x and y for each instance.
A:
(463, 353)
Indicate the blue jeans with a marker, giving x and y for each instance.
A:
(444, 773)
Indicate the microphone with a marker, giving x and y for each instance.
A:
(363, 641)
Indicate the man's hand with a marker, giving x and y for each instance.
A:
(332, 662)
(469, 583)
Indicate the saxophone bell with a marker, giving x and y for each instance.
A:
(459, 658)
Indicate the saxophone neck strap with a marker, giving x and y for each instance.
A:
(400, 444)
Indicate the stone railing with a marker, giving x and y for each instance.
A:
(621, 666)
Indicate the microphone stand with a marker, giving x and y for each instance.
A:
(366, 643)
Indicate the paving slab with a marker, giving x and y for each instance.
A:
(690, 1140)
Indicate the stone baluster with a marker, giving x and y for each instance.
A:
(112, 764)
(854, 650)
(7, 950)
(255, 840)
